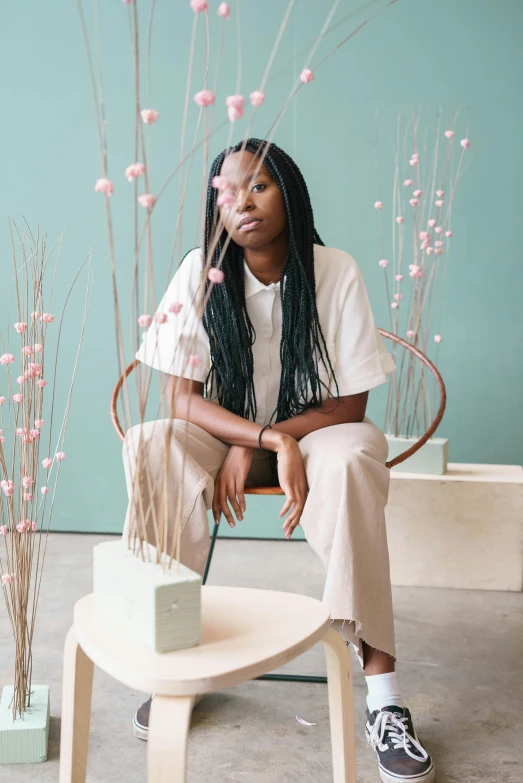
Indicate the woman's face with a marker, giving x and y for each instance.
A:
(258, 216)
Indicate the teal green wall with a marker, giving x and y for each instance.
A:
(464, 55)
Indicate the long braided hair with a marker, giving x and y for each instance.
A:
(226, 321)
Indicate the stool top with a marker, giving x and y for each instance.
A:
(245, 633)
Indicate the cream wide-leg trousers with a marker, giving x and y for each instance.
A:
(343, 519)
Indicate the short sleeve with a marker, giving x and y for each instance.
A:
(362, 361)
(167, 346)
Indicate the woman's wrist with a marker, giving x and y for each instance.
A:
(273, 440)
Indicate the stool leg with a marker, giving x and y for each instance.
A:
(169, 723)
(76, 711)
(341, 711)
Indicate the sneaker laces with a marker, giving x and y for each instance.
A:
(390, 724)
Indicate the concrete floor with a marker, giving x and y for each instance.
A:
(460, 664)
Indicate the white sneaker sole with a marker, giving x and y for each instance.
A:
(428, 777)
(142, 733)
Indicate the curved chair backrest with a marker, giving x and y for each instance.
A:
(277, 490)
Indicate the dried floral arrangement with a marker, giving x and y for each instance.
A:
(31, 441)
(211, 31)
(426, 176)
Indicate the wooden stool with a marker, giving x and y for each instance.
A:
(245, 633)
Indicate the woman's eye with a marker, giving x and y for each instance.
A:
(259, 185)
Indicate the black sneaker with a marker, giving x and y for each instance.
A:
(141, 718)
(402, 757)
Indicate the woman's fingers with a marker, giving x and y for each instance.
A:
(231, 494)
(288, 503)
(241, 497)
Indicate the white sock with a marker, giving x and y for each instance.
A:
(384, 691)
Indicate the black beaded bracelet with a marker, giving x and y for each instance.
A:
(261, 433)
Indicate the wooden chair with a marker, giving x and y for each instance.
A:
(277, 490)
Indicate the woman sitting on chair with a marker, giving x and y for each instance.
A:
(272, 386)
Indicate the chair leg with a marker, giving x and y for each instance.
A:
(76, 711)
(169, 723)
(211, 550)
(341, 710)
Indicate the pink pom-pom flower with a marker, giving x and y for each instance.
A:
(417, 193)
(448, 233)
(41, 383)
(2, 400)
(220, 183)
(400, 219)
(257, 98)
(8, 579)
(160, 318)
(28, 496)
(306, 76)
(224, 10)
(411, 333)
(7, 358)
(44, 490)
(28, 350)
(175, 307)
(18, 398)
(408, 183)
(414, 202)
(147, 200)
(204, 98)
(398, 278)
(3, 530)
(27, 482)
(429, 251)
(60, 456)
(226, 200)
(36, 315)
(144, 320)
(216, 275)
(199, 6)
(193, 360)
(134, 171)
(149, 116)
(450, 134)
(47, 318)
(438, 243)
(20, 327)
(39, 423)
(432, 222)
(423, 234)
(398, 297)
(104, 185)
(440, 193)
(384, 263)
(378, 205)
(394, 305)
(47, 462)
(234, 107)
(38, 348)
(438, 230)
(438, 338)
(465, 143)
(439, 203)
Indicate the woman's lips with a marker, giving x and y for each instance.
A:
(250, 225)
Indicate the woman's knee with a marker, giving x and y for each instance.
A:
(346, 444)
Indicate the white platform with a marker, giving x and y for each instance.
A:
(463, 529)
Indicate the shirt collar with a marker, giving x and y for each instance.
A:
(253, 285)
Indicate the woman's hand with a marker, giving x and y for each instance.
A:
(230, 483)
(293, 481)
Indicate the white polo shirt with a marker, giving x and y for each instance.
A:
(356, 349)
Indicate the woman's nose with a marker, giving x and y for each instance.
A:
(243, 201)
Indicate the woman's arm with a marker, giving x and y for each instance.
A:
(212, 417)
(349, 409)
(191, 406)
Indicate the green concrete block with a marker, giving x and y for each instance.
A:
(155, 606)
(24, 740)
(431, 458)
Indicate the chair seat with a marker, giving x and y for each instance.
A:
(245, 633)
(263, 491)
